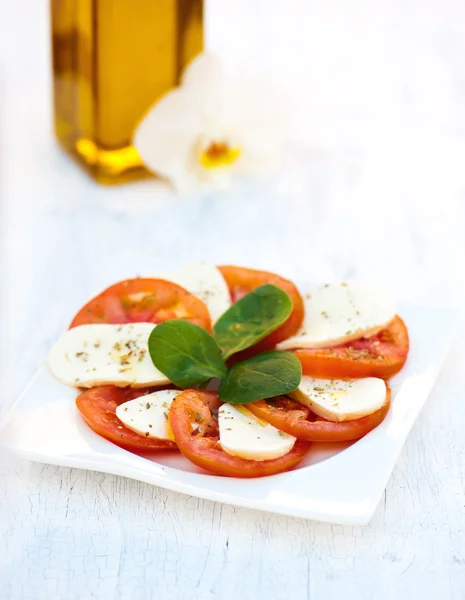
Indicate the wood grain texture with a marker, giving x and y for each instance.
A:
(393, 214)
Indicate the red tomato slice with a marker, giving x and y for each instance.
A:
(297, 420)
(143, 300)
(98, 408)
(201, 446)
(241, 281)
(382, 355)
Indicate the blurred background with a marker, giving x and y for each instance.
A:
(372, 186)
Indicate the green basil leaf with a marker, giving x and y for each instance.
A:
(185, 353)
(264, 376)
(252, 318)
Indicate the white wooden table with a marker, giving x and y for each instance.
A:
(391, 212)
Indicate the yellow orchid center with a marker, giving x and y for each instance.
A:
(218, 154)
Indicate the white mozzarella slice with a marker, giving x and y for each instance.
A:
(148, 415)
(97, 354)
(245, 436)
(206, 282)
(340, 312)
(341, 400)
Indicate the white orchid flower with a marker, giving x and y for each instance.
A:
(212, 128)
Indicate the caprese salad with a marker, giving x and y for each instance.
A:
(231, 366)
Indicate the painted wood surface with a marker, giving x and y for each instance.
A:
(392, 213)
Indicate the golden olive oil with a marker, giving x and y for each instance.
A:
(112, 59)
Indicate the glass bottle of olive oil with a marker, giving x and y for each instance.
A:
(112, 59)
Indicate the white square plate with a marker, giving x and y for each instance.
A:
(339, 483)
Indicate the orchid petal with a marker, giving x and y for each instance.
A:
(211, 107)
